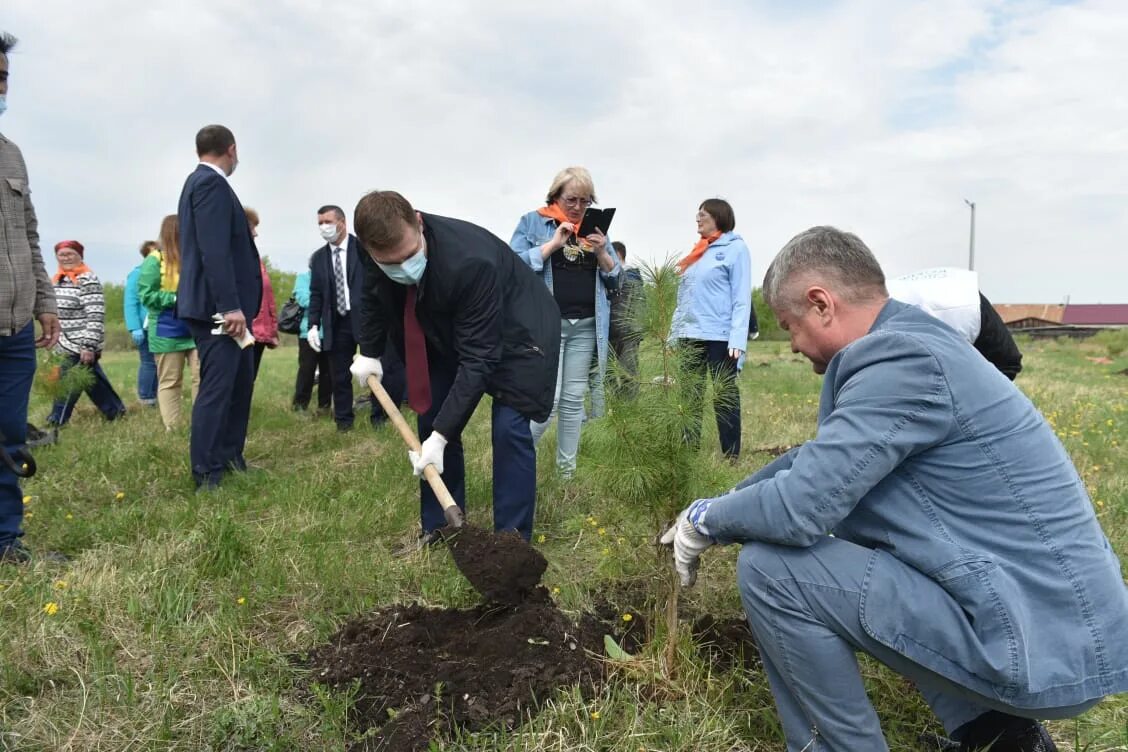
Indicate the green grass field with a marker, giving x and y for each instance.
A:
(177, 623)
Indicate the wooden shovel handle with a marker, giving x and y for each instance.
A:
(412, 441)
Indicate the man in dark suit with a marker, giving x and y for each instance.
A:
(335, 287)
(470, 318)
(219, 295)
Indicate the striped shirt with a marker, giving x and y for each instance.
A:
(82, 314)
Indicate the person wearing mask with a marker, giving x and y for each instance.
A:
(82, 318)
(710, 322)
(469, 319)
(935, 523)
(218, 296)
(579, 272)
(135, 316)
(313, 367)
(265, 326)
(27, 296)
(334, 317)
(169, 338)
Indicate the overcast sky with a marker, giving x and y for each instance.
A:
(879, 117)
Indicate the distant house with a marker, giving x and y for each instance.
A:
(1100, 315)
(1057, 320)
(1030, 316)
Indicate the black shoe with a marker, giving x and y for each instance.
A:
(209, 482)
(1000, 732)
(17, 554)
(36, 437)
(424, 541)
(344, 427)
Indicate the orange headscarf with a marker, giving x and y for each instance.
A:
(72, 273)
(698, 251)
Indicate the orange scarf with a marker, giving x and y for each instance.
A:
(72, 273)
(698, 251)
(553, 211)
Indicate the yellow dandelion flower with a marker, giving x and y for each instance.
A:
(51, 608)
(606, 551)
(603, 531)
(595, 714)
(60, 585)
(556, 591)
(119, 495)
(70, 516)
(27, 500)
(29, 515)
(627, 617)
(241, 600)
(593, 522)
(540, 538)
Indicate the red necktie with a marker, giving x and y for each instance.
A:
(418, 379)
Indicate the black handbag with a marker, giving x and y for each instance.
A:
(290, 317)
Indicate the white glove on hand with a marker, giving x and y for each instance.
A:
(313, 337)
(362, 367)
(688, 541)
(431, 453)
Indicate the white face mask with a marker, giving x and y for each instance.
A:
(410, 271)
(328, 231)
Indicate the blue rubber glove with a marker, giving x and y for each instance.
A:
(138, 337)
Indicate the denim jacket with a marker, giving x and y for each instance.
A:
(930, 457)
(715, 295)
(532, 232)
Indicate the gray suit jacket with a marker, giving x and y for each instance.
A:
(930, 457)
(25, 288)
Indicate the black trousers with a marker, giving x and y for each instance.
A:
(341, 356)
(701, 357)
(222, 407)
(309, 363)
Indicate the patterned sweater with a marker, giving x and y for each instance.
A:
(82, 314)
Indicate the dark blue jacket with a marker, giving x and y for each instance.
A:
(219, 263)
(323, 291)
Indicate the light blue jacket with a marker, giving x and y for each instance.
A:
(532, 232)
(135, 313)
(301, 294)
(715, 295)
(930, 457)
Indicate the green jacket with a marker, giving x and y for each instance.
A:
(155, 299)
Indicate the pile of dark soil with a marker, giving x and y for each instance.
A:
(424, 672)
(503, 567)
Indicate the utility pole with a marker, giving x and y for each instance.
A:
(971, 242)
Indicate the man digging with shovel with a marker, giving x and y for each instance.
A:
(469, 319)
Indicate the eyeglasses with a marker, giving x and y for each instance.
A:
(576, 201)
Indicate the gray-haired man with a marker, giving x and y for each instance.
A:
(935, 522)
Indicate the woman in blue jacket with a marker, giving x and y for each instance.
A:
(710, 323)
(310, 363)
(579, 272)
(135, 322)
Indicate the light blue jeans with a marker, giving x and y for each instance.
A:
(803, 607)
(577, 343)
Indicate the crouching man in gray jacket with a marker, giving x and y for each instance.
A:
(934, 522)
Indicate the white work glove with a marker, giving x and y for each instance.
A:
(689, 539)
(431, 453)
(313, 337)
(362, 367)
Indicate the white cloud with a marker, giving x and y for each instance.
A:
(876, 116)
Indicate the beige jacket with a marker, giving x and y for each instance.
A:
(25, 289)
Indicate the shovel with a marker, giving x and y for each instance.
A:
(503, 567)
(451, 511)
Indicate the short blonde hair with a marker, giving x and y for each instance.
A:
(252, 216)
(578, 175)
